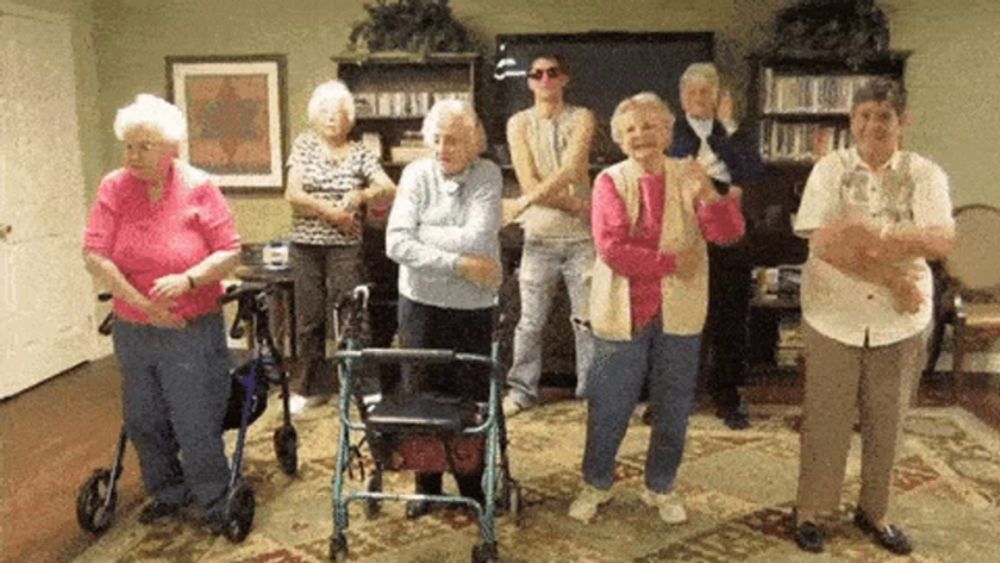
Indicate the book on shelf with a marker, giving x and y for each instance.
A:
(803, 93)
(401, 104)
(787, 358)
(802, 142)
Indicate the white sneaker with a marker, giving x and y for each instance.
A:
(669, 505)
(510, 407)
(585, 506)
(298, 403)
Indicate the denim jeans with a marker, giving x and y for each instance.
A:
(542, 262)
(175, 384)
(670, 363)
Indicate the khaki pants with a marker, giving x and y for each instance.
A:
(839, 379)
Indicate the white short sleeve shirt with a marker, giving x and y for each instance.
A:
(913, 190)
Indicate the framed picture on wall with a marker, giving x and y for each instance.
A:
(236, 113)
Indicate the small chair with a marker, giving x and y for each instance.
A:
(972, 271)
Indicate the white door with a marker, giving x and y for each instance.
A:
(46, 302)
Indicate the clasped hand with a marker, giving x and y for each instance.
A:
(162, 299)
(859, 246)
(480, 270)
(344, 221)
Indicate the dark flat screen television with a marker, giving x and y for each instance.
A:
(605, 68)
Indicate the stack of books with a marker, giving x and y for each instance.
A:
(788, 351)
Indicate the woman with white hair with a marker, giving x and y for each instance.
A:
(651, 218)
(444, 232)
(330, 182)
(161, 237)
(730, 157)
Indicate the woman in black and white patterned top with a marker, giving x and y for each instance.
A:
(331, 180)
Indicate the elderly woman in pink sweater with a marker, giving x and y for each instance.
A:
(651, 218)
(161, 237)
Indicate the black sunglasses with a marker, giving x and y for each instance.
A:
(537, 74)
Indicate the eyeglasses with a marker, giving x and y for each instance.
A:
(552, 72)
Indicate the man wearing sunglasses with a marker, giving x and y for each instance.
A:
(707, 134)
(550, 147)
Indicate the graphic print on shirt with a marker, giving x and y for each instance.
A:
(892, 202)
(330, 180)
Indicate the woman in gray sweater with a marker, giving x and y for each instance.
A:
(444, 233)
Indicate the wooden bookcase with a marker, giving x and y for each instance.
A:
(801, 109)
(393, 92)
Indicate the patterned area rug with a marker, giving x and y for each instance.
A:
(739, 487)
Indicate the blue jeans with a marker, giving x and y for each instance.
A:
(542, 262)
(175, 385)
(670, 363)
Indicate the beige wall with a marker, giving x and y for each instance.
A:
(134, 36)
(951, 46)
(85, 65)
(953, 79)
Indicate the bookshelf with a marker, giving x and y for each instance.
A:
(801, 110)
(394, 91)
(804, 103)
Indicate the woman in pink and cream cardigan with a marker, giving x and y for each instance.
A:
(649, 294)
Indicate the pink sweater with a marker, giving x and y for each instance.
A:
(637, 256)
(147, 241)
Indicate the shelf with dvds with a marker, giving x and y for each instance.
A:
(801, 111)
(393, 92)
(803, 103)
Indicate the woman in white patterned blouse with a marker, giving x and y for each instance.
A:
(331, 180)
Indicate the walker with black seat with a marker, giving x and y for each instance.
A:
(420, 433)
(97, 497)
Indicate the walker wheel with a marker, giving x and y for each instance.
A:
(338, 548)
(485, 553)
(286, 446)
(94, 510)
(238, 516)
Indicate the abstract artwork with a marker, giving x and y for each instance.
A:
(235, 111)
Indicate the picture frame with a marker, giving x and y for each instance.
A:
(236, 113)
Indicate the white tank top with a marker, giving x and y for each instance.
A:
(548, 139)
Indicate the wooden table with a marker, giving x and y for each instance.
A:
(283, 307)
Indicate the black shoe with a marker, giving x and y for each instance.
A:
(647, 415)
(736, 419)
(157, 510)
(810, 537)
(734, 415)
(890, 537)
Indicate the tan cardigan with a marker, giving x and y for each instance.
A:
(684, 302)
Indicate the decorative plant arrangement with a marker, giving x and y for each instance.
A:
(411, 25)
(853, 30)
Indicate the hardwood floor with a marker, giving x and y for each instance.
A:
(56, 434)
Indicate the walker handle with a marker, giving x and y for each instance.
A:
(412, 356)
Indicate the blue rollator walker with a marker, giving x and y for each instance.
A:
(97, 497)
(410, 433)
